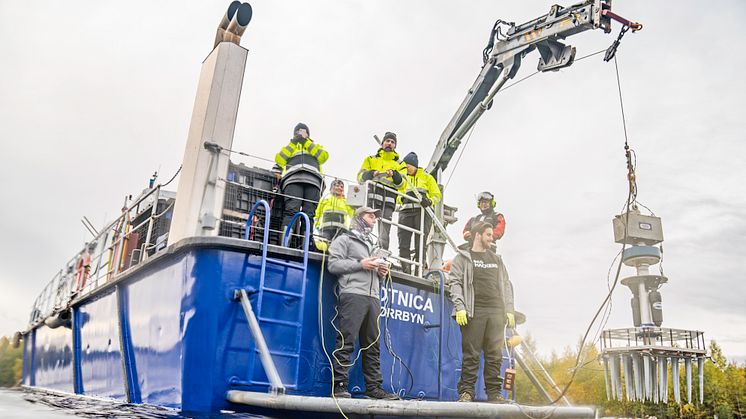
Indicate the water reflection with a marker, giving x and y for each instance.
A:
(112, 409)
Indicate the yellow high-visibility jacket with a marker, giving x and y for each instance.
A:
(382, 162)
(305, 155)
(424, 183)
(333, 211)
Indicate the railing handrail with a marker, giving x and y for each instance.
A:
(265, 239)
(418, 232)
(51, 296)
(306, 233)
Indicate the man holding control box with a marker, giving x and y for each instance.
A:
(352, 258)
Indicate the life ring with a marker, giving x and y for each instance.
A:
(82, 269)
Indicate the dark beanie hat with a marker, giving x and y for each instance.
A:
(411, 158)
(389, 135)
(301, 125)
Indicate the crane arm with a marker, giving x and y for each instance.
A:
(502, 60)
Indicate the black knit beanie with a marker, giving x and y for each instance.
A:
(301, 125)
(411, 158)
(390, 135)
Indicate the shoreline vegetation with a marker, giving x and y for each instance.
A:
(725, 384)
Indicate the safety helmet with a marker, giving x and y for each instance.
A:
(486, 196)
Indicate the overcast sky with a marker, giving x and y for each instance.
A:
(97, 95)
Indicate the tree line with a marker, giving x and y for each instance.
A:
(11, 363)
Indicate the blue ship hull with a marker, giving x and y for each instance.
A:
(169, 333)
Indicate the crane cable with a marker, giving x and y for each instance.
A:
(631, 197)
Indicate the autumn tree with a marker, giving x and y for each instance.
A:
(11, 363)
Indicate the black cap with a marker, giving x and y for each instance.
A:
(411, 158)
(301, 125)
(390, 135)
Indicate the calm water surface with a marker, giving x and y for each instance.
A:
(24, 403)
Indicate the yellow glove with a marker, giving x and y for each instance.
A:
(514, 341)
(461, 317)
(321, 245)
(511, 319)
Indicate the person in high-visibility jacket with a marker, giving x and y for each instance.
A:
(301, 181)
(333, 214)
(411, 212)
(385, 171)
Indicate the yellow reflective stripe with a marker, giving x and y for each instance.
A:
(360, 175)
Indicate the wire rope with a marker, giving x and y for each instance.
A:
(631, 196)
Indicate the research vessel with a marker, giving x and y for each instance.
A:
(192, 298)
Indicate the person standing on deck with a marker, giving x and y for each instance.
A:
(411, 213)
(332, 214)
(482, 299)
(385, 170)
(301, 181)
(486, 204)
(352, 259)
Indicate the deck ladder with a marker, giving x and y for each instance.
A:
(259, 320)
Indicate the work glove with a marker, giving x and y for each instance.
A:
(461, 317)
(425, 202)
(321, 245)
(514, 341)
(396, 177)
(510, 317)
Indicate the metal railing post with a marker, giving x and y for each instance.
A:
(443, 320)
(306, 234)
(421, 238)
(151, 220)
(265, 239)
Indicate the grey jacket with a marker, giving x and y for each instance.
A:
(345, 254)
(460, 284)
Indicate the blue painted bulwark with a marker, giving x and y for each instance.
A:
(169, 333)
(52, 366)
(100, 352)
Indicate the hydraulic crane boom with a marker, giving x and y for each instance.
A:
(502, 59)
